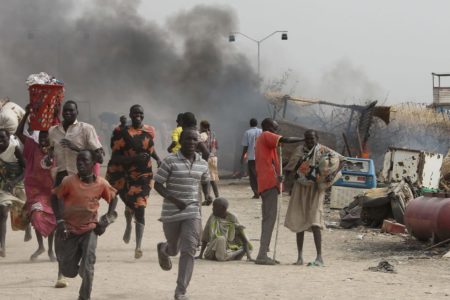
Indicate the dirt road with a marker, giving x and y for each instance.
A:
(348, 254)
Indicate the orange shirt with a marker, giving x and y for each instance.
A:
(81, 201)
(266, 160)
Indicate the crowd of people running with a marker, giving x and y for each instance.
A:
(50, 180)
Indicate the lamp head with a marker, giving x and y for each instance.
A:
(284, 36)
(231, 38)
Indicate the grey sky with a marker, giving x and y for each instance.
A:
(396, 44)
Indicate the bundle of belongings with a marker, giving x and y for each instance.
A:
(42, 78)
(316, 167)
(374, 206)
(10, 115)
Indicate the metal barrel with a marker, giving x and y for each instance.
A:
(428, 217)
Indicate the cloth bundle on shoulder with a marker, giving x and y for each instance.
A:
(319, 165)
(329, 170)
(10, 115)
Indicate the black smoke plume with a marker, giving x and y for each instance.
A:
(111, 57)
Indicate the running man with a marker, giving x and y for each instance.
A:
(177, 181)
(66, 141)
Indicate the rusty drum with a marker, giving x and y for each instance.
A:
(429, 217)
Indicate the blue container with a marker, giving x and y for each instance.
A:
(358, 173)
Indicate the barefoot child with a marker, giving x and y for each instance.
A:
(76, 214)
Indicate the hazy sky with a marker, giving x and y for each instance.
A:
(392, 45)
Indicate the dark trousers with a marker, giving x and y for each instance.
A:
(76, 255)
(269, 216)
(183, 236)
(251, 165)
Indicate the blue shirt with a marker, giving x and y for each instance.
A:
(249, 141)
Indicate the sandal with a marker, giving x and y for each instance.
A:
(164, 260)
(314, 264)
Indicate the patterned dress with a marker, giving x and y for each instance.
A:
(14, 196)
(132, 181)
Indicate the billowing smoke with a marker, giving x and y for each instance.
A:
(345, 82)
(110, 57)
(412, 126)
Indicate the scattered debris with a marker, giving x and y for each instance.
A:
(334, 225)
(360, 236)
(393, 227)
(418, 257)
(376, 205)
(422, 167)
(437, 245)
(383, 266)
(446, 255)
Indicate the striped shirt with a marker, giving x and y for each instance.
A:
(182, 179)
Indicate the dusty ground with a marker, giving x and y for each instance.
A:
(348, 254)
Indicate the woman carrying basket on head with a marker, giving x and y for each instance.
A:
(38, 184)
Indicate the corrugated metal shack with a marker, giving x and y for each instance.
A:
(293, 129)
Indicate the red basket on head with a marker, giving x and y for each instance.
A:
(45, 102)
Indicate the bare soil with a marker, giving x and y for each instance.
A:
(347, 253)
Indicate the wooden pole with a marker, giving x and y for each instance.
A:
(344, 136)
(279, 200)
(436, 245)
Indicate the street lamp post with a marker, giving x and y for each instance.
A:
(232, 38)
